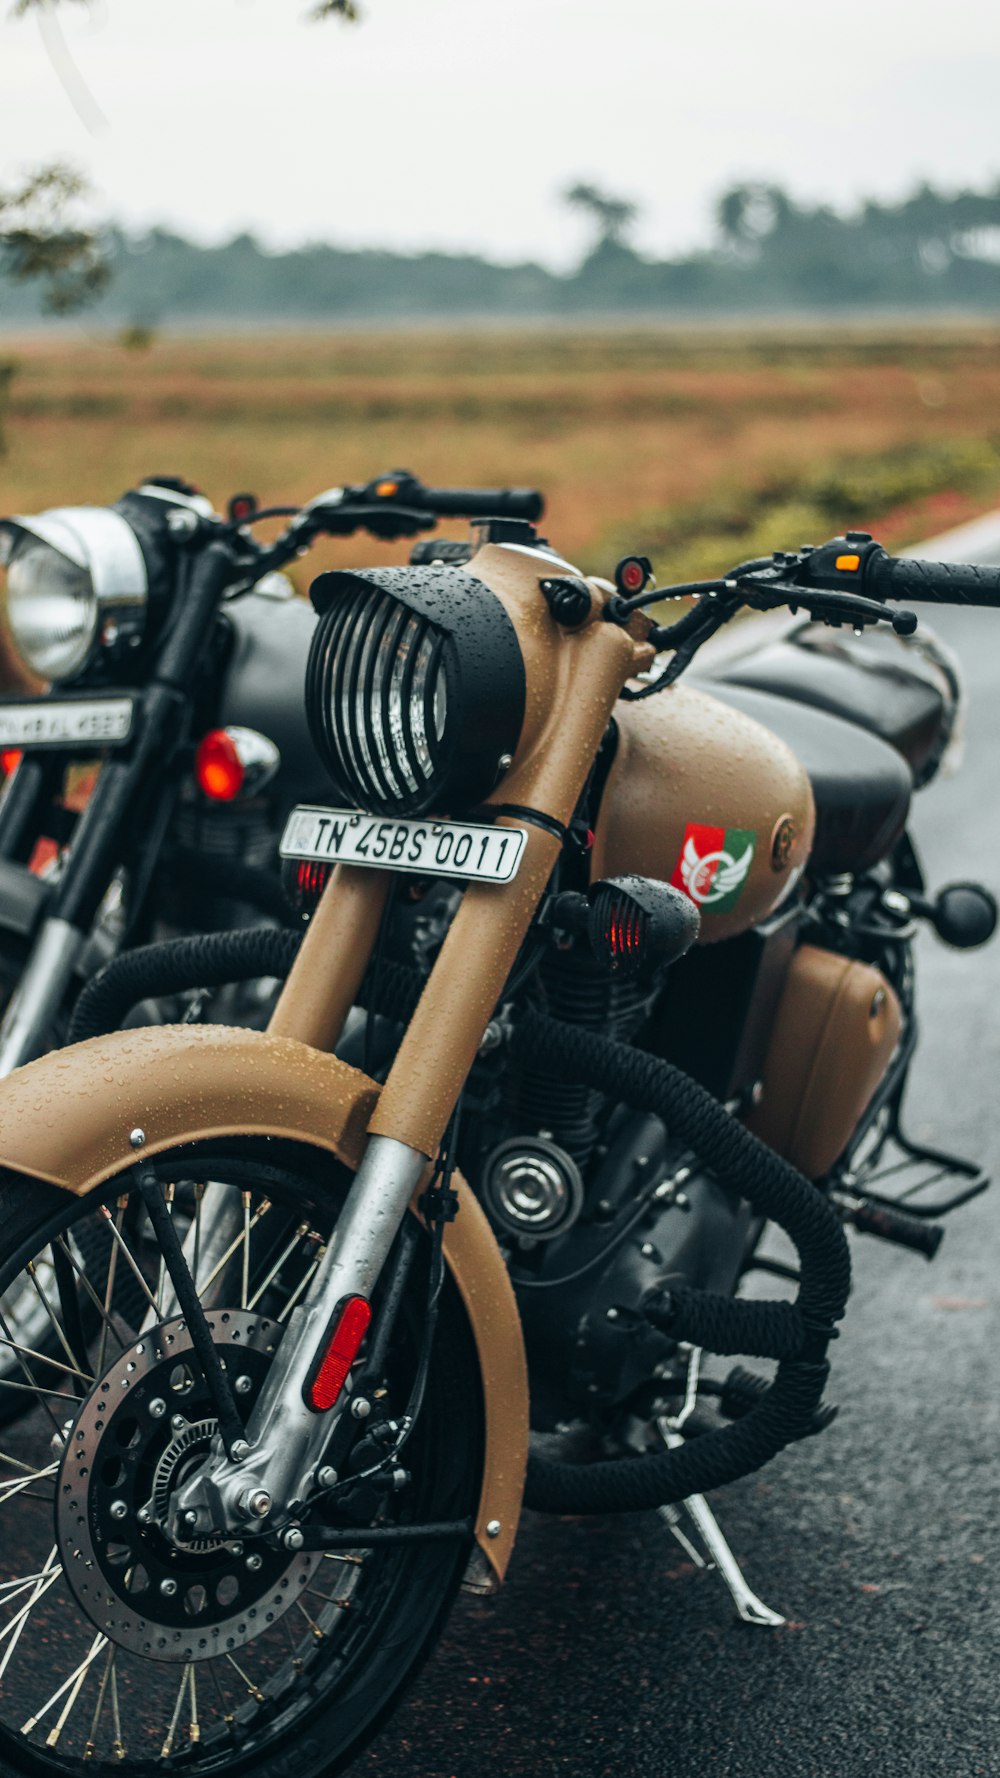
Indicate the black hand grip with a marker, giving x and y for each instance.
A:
(910, 581)
(870, 1218)
(482, 503)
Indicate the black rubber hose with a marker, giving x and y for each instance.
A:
(777, 1191)
(207, 960)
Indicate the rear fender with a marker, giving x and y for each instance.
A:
(68, 1119)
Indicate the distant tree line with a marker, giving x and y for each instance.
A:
(770, 254)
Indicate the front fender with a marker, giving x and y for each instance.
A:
(67, 1119)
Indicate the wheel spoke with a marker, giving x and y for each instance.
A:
(105, 1315)
(89, 1750)
(254, 1690)
(69, 1370)
(17, 1463)
(233, 1248)
(35, 1387)
(74, 1357)
(13, 1588)
(116, 1715)
(302, 1286)
(14, 1629)
(73, 1685)
(168, 1746)
(319, 1634)
(8, 1492)
(299, 1235)
(128, 1256)
(109, 1291)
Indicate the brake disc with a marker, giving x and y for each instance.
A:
(144, 1428)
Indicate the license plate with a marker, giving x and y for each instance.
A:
(66, 722)
(429, 848)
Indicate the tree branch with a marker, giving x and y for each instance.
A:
(39, 240)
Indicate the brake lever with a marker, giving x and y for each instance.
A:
(830, 607)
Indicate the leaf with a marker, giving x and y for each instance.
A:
(40, 240)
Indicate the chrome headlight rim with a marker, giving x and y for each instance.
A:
(101, 544)
(415, 688)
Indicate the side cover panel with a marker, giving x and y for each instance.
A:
(67, 1119)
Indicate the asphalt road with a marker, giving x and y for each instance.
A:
(607, 1654)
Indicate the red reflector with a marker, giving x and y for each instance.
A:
(633, 577)
(10, 759)
(349, 1330)
(218, 766)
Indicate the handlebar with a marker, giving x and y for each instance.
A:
(856, 565)
(480, 503)
(846, 581)
(935, 583)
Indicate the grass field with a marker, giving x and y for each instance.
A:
(696, 447)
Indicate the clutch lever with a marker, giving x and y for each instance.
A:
(380, 520)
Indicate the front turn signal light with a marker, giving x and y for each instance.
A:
(634, 925)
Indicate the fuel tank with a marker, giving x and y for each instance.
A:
(703, 797)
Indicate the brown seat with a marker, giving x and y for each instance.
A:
(861, 785)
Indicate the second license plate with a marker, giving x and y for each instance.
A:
(66, 722)
(430, 848)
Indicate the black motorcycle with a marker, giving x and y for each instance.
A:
(185, 690)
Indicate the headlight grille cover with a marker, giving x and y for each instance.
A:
(415, 687)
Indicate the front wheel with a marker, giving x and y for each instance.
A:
(123, 1651)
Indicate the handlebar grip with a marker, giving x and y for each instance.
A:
(911, 581)
(483, 503)
(894, 1225)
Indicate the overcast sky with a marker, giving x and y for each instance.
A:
(456, 123)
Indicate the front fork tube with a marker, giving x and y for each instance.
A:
(39, 994)
(285, 1437)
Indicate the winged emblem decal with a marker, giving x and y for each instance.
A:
(714, 864)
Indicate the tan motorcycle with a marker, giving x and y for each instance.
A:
(597, 978)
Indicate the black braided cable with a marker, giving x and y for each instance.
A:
(204, 960)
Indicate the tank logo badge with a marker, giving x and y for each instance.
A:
(782, 841)
(713, 865)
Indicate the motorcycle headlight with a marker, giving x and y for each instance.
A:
(415, 688)
(76, 577)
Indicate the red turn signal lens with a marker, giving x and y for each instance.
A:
(10, 759)
(218, 767)
(349, 1328)
(303, 881)
(637, 925)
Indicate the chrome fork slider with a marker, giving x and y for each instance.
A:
(285, 1437)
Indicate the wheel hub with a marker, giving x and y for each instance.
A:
(146, 1425)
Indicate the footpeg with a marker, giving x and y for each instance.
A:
(872, 1217)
